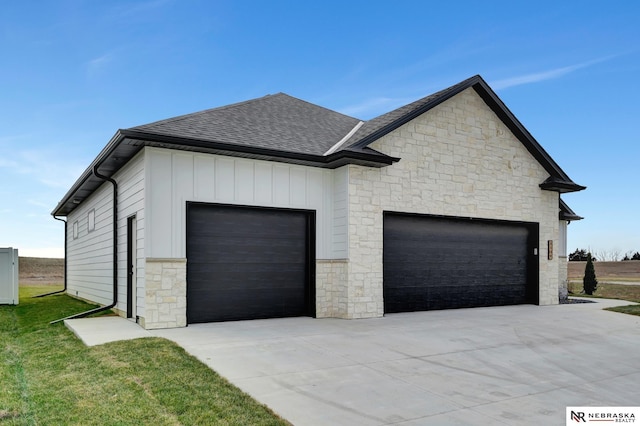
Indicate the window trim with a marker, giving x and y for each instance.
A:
(91, 220)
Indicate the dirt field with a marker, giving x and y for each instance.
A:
(628, 270)
(41, 271)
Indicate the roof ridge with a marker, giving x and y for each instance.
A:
(319, 106)
(235, 105)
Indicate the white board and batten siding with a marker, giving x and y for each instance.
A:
(131, 193)
(177, 177)
(90, 252)
(155, 187)
(562, 239)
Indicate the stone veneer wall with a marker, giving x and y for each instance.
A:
(331, 288)
(458, 159)
(166, 293)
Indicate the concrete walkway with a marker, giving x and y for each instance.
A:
(484, 366)
(107, 329)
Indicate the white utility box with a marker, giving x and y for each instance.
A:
(8, 276)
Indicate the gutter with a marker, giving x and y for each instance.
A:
(324, 160)
(117, 149)
(115, 253)
(106, 152)
(65, 262)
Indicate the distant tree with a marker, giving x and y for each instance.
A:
(579, 255)
(589, 282)
(636, 256)
(626, 257)
(607, 255)
(615, 255)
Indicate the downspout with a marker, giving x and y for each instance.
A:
(65, 262)
(115, 253)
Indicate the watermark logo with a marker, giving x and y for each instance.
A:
(577, 416)
(600, 415)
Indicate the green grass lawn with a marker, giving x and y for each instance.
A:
(613, 291)
(48, 376)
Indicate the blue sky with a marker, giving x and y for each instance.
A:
(73, 72)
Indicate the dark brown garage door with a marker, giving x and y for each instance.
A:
(248, 263)
(433, 262)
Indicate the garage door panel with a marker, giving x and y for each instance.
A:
(251, 270)
(438, 263)
(249, 252)
(245, 263)
(262, 304)
(270, 224)
(410, 298)
(261, 276)
(261, 233)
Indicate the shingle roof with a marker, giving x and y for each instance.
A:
(278, 122)
(283, 128)
(566, 213)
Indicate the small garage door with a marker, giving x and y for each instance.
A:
(433, 262)
(248, 263)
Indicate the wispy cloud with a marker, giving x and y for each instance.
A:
(13, 165)
(38, 203)
(101, 60)
(10, 139)
(366, 105)
(544, 75)
(96, 65)
(43, 167)
(374, 106)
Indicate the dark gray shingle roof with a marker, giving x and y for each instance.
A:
(286, 129)
(566, 213)
(278, 122)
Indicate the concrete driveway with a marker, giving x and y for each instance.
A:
(502, 365)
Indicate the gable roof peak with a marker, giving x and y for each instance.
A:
(380, 126)
(387, 122)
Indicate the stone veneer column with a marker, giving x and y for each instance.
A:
(331, 288)
(166, 293)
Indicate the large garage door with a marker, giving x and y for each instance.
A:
(248, 263)
(432, 262)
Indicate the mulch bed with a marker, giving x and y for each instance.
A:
(573, 301)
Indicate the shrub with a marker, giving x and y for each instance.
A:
(589, 282)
